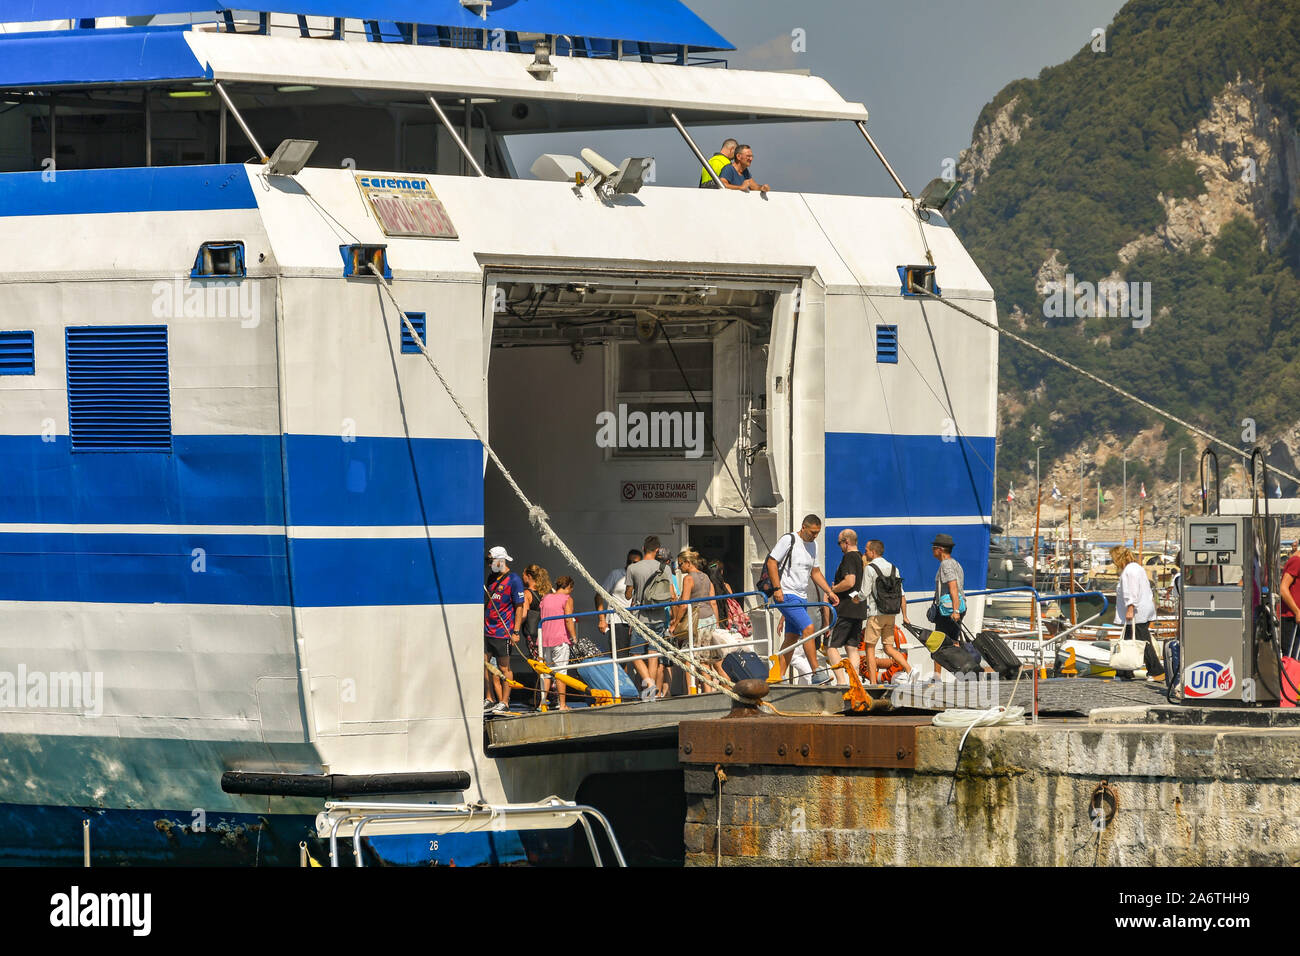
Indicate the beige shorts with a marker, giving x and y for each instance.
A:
(880, 628)
(556, 656)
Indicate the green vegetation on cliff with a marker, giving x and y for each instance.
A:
(1101, 147)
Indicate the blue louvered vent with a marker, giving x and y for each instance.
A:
(17, 353)
(118, 395)
(417, 323)
(887, 344)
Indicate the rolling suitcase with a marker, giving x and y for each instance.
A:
(1173, 669)
(958, 658)
(745, 665)
(997, 655)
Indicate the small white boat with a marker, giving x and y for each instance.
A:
(1090, 657)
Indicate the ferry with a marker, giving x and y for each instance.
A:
(244, 519)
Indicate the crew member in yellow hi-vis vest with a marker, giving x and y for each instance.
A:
(718, 160)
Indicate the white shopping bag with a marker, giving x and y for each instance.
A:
(1126, 653)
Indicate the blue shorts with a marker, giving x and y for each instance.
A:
(795, 611)
(636, 644)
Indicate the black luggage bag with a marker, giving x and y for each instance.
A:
(959, 658)
(997, 655)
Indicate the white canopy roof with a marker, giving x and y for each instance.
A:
(483, 73)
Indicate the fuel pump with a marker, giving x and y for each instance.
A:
(1227, 609)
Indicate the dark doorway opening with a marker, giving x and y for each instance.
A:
(725, 543)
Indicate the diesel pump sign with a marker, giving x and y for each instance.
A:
(406, 207)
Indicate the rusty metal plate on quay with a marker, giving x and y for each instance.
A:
(878, 742)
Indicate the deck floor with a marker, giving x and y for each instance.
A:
(638, 725)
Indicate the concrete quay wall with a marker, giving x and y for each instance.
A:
(1186, 796)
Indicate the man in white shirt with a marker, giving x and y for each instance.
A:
(792, 567)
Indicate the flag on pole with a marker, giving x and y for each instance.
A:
(1142, 492)
(1011, 492)
(1277, 489)
(1101, 495)
(1056, 493)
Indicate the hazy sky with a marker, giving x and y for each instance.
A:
(924, 69)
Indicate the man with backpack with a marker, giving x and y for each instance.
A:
(885, 603)
(650, 581)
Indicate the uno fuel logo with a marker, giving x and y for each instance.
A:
(1207, 679)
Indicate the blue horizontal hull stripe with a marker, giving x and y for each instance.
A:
(373, 481)
(913, 475)
(236, 480)
(908, 546)
(157, 189)
(238, 570)
(206, 480)
(335, 572)
(144, 569)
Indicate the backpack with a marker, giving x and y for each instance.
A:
(658, 589)
(764, 581)
(887, 592)
(737, 619)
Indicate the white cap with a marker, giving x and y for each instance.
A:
(499, 554)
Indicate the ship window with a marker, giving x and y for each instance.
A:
(357, 260)
(887, 344)
(408, 342)
(648, 381)
(922, 276)
(17, 353)
(219, 259)
(119, 397)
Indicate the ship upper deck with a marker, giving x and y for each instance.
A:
(88, 84)
(614, 73)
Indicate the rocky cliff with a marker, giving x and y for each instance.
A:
(1138, 210)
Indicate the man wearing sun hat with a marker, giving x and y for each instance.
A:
(949, 590)
(504, 597)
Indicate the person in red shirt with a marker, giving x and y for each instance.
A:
(1290, 594)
